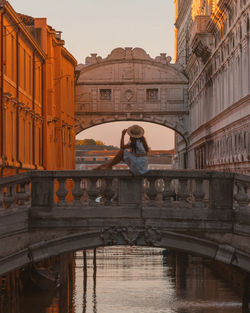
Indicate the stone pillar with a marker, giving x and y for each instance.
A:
(221, 193)
(42, 192)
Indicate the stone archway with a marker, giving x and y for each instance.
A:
(129, 85)
(109, 236)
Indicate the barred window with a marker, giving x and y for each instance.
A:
(105, 94)
(152, 94)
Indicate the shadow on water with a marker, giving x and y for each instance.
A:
(37, 301)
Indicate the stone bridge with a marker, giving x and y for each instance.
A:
(52, 212)
(129, 85)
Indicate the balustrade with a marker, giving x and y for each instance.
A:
(165, 189)
(15, 191)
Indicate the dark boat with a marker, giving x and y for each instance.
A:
(43, 278)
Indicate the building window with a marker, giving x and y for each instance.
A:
(152, 94)
(12, 56)
(12, 136)
(30, 74)
(39, 84)
(24, 69)
(105, 94)
(4, 49)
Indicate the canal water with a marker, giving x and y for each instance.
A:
(137, 280)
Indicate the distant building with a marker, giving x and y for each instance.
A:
(89, 157)
(37, 95)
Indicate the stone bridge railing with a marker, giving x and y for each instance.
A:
(179, 200)
(52, 212)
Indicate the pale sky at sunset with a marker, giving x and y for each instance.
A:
(99, 26)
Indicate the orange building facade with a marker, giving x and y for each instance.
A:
(37, 95)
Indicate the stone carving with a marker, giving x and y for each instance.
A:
(152, 236)
(117, 54)
(128, 53)
(130, 235)
(93, 59)
(109, 236)
(128, 95)
(163, 59)
(241, 196)
(139, 53)
(227, 148)
(225, 253)
(127, 73)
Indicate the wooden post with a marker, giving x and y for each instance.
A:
(94, 264)
(85, 263)
(94, 281)
(84, 282)
(246, 295)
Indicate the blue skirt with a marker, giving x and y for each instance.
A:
(138, 165)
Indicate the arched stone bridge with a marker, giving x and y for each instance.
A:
(130, 85)
(49, 213)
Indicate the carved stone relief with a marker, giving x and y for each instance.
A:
(128, 95)
(109, 236)
(152, 236)
(131, 235)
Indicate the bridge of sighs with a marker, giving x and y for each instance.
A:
(129, 85)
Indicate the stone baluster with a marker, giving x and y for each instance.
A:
(92, 190)
(160, 187)
(241, 197)
(77, 191)
(183, 192)
(167, 193)
(62, 192)
(108, 191)
(1, 197)
(199, 193)
(28, 191)
(152, 191)
(9, 197)
(145, 186)
(22, 195)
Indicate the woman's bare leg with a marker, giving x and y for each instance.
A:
(108, 165)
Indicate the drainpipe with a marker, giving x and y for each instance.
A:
(33, 108)
(1, 99)
(17, 98)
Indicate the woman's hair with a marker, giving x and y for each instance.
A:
(133, 143)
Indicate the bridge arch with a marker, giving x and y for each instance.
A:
(150, 237)
(99, 122)
(129, 85)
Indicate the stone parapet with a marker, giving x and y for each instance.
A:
(45, 213)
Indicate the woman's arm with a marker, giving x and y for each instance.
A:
(122, 146)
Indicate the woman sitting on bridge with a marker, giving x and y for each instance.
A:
(135, 158)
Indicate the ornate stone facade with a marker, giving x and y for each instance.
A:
(213, 47)
(130, 85)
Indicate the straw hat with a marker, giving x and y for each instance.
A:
(135, 131)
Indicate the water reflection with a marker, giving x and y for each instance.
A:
(135, 280)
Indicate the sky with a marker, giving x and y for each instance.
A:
(99, 26)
